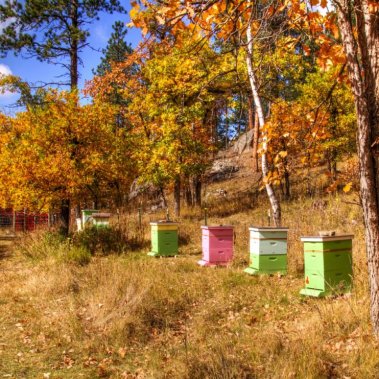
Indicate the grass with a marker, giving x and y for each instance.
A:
(132, 316)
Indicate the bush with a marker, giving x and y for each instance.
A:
(77, 254)
(39, 246)
(101, 240)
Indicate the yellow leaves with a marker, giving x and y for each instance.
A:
(347, 187)
(373, 7)
(62, 149)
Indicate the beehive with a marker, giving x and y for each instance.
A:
(164, 239)
(268, 250)
(86, 214)
(217, 245)
(327, 265)
(100, 220)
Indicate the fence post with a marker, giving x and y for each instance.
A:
(140, 217)
(14, 221)
(24, 226)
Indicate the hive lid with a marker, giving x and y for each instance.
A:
(269, 228)
(217, 226)
(340, 237)
(164, 222)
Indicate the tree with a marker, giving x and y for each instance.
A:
(236, 22)
(55, 32)
(358, 21)
(318, 124)
(59, 150)
(116, 49)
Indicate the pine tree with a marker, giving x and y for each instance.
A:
(51, 31)
(116, 49)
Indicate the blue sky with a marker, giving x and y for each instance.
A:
(33, 71)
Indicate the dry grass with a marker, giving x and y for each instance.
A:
(131, 316)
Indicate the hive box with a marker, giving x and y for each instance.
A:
(86, 214)
(217, 245)
(268, 250)
(100, 220)
(164, 239)
(327, 265)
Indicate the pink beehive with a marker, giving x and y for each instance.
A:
(217, 245)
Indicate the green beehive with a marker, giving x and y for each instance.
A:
(100, 220)
(327, 265)
(268, 250)
(86, 214)
(164, 239)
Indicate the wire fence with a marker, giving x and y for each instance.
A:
(22, 221)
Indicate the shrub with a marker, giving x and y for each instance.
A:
(43, 245)
(101, 240)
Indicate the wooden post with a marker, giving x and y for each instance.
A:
(14, 221)
(24, 224)
(140, 217)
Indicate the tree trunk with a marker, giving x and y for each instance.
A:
(74, 76)
(255, 143)
(177, 197)
(287, 184)
(253, 123)
(188, 192)
(274, 201)
(363, 67)
(65, 216)
(65, 203)
(197, 190)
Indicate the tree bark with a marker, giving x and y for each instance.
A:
(274, 201)
(197, 190)
(255, 143)
(74, 75)
(65, 216)
(253, 124)
(177, 187)
(363, 68)
(65, 203)
(188, 192)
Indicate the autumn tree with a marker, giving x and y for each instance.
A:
(243, 24)
(317, 125)
(60, 150)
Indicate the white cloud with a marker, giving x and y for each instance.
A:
(5, 70)
(6, 23)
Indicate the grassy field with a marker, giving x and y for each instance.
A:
(132, 316)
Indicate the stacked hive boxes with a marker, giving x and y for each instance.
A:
(164, 239)
(217, 245)
(327, 265)
(268, 250)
